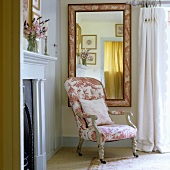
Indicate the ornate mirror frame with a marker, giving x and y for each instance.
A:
(72, 9)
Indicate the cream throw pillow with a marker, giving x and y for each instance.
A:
(96, 107)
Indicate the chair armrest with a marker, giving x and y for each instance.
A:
(93, 118)
(128, 115)
(128, 120)
(84, 115)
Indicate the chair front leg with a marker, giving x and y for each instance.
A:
(101, 153)
(81, 140)
(101, 148)
(134, 147)
(99, 139)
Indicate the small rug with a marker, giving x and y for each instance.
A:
(143, 162)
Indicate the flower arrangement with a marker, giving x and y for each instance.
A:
(85, 56)
(36, 29)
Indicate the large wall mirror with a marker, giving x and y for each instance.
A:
(104, 30)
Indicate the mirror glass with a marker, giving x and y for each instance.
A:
(99, 47)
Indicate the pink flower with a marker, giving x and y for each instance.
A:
(36, 30)
(84, 54)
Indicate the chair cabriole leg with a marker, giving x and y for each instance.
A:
(101, 153)
(101, 147)
(101, 150)
(134, 147)
(81, 140)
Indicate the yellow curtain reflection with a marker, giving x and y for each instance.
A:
(113, 69)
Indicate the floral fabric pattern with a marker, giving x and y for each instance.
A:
(79, 88)
(109, 132)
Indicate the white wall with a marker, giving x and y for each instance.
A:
(104, 30)
(51, 10)
(69, 128)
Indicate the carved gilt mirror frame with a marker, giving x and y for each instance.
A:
(126, 9)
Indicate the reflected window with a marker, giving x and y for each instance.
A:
(113, 69)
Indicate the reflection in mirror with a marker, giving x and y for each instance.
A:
(104, 31)
(113, 69)
(109, 66)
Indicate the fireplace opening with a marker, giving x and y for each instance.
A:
(28, 126)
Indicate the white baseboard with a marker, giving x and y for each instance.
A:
(52, 153)
(73, 142)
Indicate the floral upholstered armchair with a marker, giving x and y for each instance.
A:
(87, 99)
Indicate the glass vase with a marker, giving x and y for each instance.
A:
(84, 61)
(32, 45)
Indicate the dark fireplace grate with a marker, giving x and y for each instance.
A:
(28, 126)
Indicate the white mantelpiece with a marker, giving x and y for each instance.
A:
(34, 68)
(34, 65)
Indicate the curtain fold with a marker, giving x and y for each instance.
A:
(153, 113)
(113, 69)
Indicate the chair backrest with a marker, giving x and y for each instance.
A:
(82, 88)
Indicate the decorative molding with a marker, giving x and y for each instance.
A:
(34, 65)
(39, 125)
(36, 58)
(102, 7)
(34, 68)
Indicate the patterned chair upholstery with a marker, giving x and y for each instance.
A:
(91, 89)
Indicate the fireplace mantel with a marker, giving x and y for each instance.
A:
(34, 65)
(34, 69)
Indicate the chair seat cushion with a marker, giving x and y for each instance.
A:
(109, 132)
(96, 107)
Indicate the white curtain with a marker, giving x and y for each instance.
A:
(153, 103)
